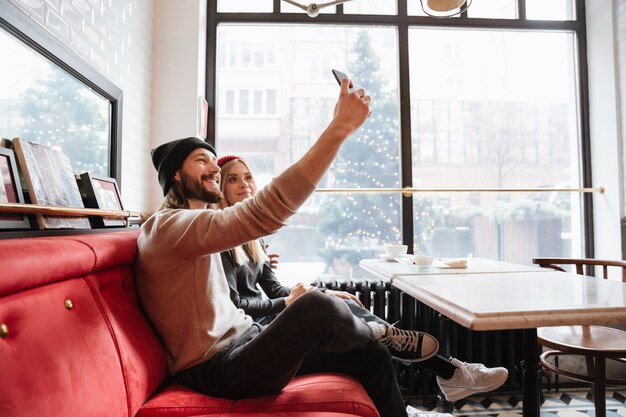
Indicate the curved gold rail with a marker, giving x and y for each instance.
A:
(408, 191)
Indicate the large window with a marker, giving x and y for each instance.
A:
(487, 103)
(51, 97)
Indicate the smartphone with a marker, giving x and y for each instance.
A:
(340, 76)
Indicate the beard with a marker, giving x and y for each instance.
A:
(195, 190)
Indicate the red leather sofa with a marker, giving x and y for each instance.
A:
(74, 342)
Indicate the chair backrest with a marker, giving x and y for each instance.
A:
(581, 263)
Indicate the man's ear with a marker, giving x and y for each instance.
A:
(177, 176)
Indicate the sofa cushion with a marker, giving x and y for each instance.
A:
(110, 249)
(287, 414)
(28, 263)
(58, 359)
(142, 356)
(317, 392)
(32, 262)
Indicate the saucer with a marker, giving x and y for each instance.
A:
(390, 258)
(443, 263)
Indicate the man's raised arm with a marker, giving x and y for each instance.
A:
(351, 110)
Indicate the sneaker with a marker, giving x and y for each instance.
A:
(471, 378)
(409, 345)
(414, 412)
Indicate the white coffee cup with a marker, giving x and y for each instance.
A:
(423, 261)
(396, 250)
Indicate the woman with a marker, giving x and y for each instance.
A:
(248, 265)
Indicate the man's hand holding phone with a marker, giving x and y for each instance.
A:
(340, 76)
(353, 105)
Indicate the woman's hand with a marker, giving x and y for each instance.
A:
(273, 258)
(296, 291)
(345, 296)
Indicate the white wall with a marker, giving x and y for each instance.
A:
(115, 37)
(178, 74)
(605, 125)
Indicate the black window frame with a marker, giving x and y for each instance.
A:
(402, 21)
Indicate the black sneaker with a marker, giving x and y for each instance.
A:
(409, 345)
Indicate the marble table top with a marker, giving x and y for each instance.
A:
(519, 300)
(388, 270)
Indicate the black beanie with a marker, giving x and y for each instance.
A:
(169, 157)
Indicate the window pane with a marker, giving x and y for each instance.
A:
(486, 226)
(549, 10)
(259, 55)
(258, 102)
(271, 101)
(243, 101)
(487, 9)
(387, 7)
(414, 8)
(493, 9)
(245, 6)
(299, 105)
(221, 57)
(501, 110)
(41, 103)
(229, 104)
(246, 55)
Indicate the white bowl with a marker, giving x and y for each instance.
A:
(395, 250)
(423, 260)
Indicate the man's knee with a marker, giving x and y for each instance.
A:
(321, 304)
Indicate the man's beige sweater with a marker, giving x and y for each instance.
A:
(180, 278)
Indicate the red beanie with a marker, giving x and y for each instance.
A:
(227, 158)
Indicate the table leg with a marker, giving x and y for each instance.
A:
(531, 374)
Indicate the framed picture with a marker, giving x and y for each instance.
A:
(101, 193)
(50, 182)
(11, 191)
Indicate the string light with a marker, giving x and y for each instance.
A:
(69, 119)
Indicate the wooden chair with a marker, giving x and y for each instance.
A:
(595, 343)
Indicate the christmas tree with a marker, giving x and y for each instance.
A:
(62, 113)
(357, 224)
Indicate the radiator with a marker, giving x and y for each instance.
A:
(492, 348)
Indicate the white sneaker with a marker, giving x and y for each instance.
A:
(414, 412)
(471, 378)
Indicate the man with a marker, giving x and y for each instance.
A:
(214, 347)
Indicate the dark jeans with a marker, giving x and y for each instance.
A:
(316, 333)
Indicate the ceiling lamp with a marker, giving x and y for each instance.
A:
(445, 8)
(313, 9)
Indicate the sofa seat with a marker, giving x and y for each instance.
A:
(286, 414)
(316, 392)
